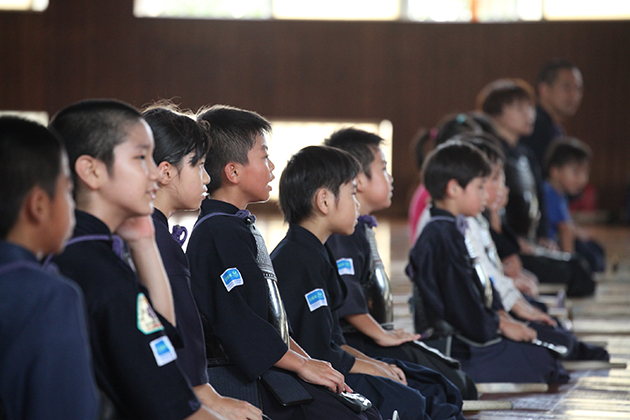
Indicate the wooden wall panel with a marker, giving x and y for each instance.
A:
(409, 73)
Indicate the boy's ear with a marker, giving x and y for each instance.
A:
(323, 200)
(167, 173)
(37, 206)
(362, 181)
(91, 171)
(232, 172)
(453, 188)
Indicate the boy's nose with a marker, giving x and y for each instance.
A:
(154, 174)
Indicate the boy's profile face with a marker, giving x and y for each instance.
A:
(517, 117)
(61, 222)
(472, 199)
(572, 177)
(376, 192)
(190, 183)
(132, 181)
(495, 187)
(256, 175)
(345, 210)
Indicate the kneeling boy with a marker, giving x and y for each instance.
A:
(456, 301)
(317, 197)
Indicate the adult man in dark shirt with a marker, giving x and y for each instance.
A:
(559, 89)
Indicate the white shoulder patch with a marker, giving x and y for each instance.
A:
(231, 278)
(316, 299)
(148, 321)
(163, 350)
(345, 266)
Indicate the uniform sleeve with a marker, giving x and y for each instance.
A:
(445, 279)
(306, 301)
(354, 267)
(231, 293)
(135, 354)
(51, 368)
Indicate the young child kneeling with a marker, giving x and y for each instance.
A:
(455, 300)
(317, 197)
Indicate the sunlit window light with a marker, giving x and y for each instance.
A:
(586, 9)
(440, 11)
(337, 9)
(216, 9)
(34, 5)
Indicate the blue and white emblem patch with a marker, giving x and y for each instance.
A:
(316, 299)
(345, 266)
(231, 278)
(163, 350)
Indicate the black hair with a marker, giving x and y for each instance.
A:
(30, 155)
(453, 160)
(176, 134)
(94, 127)
(489, 146)
(307, 171)
(359, 143)
(455, 124)
(233, 132)
(548, 73)
(564, 151)
(496, 95)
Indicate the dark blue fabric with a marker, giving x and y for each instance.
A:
(357, 248)
(192, 357)
(45, 361)
(443, 272)
(557, 209)
(237, 319)
(545, 131)
(302, 264)
(125, 367)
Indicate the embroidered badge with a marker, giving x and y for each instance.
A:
(345, 266)
(316, 299)
(148, 321)
(231, 278)
(163, 350)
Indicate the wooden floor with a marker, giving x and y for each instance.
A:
(593, 394)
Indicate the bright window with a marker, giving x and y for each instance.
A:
(35, 5)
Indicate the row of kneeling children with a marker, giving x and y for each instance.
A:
(473, 288)
(103, 315)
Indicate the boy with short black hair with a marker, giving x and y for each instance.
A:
(367, 314)
(458, 303)
(234, 283)
(317, 197)
(567, 167)
(45, 362)
(110, 148)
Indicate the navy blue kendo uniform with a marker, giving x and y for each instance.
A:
(545, 131)
(231, 295)
(134, 360)
(443, 272)
(45, 362)
(355, 251)
(312, 289)
(192, 356)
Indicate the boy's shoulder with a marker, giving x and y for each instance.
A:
(298, 244)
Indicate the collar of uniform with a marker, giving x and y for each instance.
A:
(441, 212)
(213, 206)
(11, 252)
(159, 217)
(88, 224)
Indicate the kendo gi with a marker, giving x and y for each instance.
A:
(442, 270)
(312, 290)
(45, 361)
(485, 249)
(233, 298)
(369, 291)
(134, 360)
(545, 131)
(192, 356)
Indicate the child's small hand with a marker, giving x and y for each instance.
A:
(322, 373)
(386, 370)
(136, 230)
(393, 338)
(517, 331)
